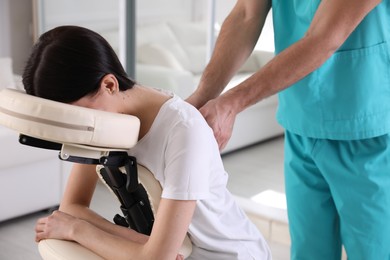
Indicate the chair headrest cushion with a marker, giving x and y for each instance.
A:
(64, 123)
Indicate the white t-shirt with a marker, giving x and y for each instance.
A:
(181, 151)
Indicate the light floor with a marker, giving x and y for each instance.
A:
(252, 170)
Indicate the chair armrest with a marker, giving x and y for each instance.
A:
(181, 82)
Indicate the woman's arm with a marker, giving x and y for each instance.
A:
(77, 199)
(172, 221)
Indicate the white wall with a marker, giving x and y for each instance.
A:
(153, 11)
(21, 32)
(15, 31)
(16, 22)
(5, 50)
(266, 40)
(101, 14)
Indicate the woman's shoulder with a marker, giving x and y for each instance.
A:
(180, 110)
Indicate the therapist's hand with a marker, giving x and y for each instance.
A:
(220, 117)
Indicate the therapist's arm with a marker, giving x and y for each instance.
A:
(333, 22)
(236, 41)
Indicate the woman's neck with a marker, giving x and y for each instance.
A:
(145, 103)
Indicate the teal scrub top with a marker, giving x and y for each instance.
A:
(348, 97)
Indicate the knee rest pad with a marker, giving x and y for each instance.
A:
(85, 131)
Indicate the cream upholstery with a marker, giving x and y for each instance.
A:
(82, 131)
(53, 249)
(64, 123)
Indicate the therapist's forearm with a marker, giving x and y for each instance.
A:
(333, 22)
(284, 70)
(232, 48)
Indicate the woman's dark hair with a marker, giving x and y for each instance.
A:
(68, 63)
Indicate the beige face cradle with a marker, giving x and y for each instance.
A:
(82, 135)
(64, 123)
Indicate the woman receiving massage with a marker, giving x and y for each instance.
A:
(74, 65)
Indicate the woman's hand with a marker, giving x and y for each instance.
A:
(58, 225)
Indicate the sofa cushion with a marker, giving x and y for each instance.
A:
(163, 36)
(190, 33)
(6, 76)
(193, 39)
(155, 54)
(198, 58)
(15, 154)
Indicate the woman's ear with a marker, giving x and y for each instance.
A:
(109, 83)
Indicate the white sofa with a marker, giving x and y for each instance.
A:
(31, 179)
(172, 56)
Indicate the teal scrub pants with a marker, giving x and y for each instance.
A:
(338, 193)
